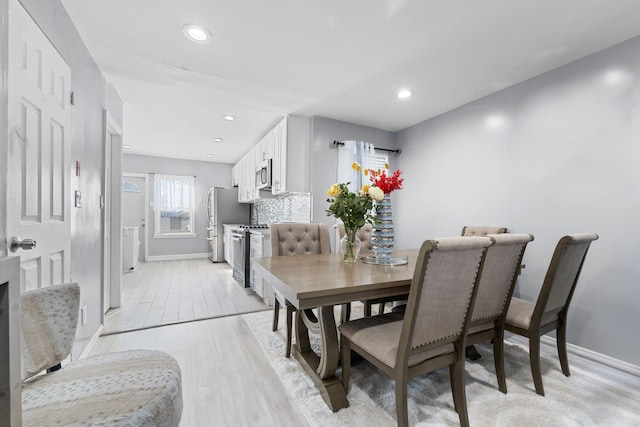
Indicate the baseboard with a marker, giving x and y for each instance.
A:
(91, 343)
(593, 356)
(178, 257)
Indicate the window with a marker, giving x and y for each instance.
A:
(365, 154)
(175, 202)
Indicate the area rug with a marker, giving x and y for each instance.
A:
(583, 399)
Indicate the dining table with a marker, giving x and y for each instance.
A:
(322, 282)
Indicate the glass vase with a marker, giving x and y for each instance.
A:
(350, 246)
(383, 235)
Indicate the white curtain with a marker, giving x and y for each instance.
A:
(175, 193)
(355, 151)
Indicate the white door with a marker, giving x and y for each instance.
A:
(133, 207)
(39, 197)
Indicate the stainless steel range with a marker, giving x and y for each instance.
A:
(241, 247)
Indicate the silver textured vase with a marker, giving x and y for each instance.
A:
(383, 235)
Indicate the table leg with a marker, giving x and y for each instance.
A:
(322, 369)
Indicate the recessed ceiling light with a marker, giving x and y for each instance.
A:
(211, 155)
(127, 147)
(404, 93)
(228, 117)
(217, 139)
(196, 33)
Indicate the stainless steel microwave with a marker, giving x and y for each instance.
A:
(263, 175)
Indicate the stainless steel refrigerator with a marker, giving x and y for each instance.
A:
(223, 208)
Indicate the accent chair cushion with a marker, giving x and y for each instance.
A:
(129, 388)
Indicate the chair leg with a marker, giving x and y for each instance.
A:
(345, 360)
(289, 330)
(498, 357)
(381, 308)
(534, 360)
(561, 342)
(276, 314)
(402, 412)
(456, 374)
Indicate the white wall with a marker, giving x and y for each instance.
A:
(555, 155)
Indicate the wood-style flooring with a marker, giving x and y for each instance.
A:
(226, 377)
(166, 292)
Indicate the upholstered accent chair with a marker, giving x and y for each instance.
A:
(295, 239)
(135, 388)
(499, 274)
(549, 312)
(433, 331)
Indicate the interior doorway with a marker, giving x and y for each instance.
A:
(112, 215)
(135, 199)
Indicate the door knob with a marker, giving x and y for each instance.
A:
(17, 243)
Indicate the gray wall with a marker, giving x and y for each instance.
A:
(557, 154)
(207, 175)
(92, 96)
(323, 158)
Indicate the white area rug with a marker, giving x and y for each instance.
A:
(583, 399)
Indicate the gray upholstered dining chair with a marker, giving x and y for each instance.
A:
(549, 312)
(364, 234)
(295, 239)
(501, 268)
(481, 230)
(433, 331)
(138, 387)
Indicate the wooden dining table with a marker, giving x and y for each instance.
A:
(321, 282)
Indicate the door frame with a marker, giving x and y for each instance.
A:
(112, 247)
(146, 208)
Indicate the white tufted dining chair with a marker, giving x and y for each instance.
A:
(291, 239)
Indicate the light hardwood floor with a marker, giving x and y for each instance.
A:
(165, 292)
(226, 378)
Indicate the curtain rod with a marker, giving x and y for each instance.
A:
(396, 152)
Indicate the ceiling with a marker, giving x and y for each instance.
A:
(344, 60)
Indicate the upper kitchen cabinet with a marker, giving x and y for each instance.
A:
(290, 169)
(244, 173)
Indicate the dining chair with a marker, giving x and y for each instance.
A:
(549, 312)
(135, 388)
(499, 274)
(295, 239)
(432, 333)
(364, 234)
(478, 230)
(481, 230)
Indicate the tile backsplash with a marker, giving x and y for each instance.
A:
(291, 207)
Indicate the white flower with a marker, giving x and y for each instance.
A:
(376, 193)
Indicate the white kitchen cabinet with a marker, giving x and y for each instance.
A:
(291, 156)
(287, 144)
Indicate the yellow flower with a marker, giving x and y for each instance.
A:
(333, 191)
(355, 166)
(365, 188)
(386, 166)
(366, 172)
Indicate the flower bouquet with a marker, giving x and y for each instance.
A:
(355, 209)
(383, 236)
